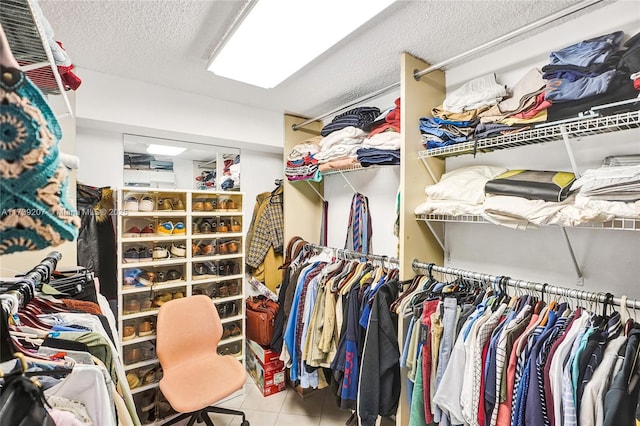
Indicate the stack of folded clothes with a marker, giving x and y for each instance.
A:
(301, 162)
(524, 106)
(338, 149)
(611, 189)
(459, 192)
(455, 120)
(359, 117)
(382, 146)
(590, 73)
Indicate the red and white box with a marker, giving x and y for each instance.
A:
(266, 369)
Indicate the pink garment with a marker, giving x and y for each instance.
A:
(391, 121)
(540, 105)
(636, 83)
(64, 418)
(339, 164)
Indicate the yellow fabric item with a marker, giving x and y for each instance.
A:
(267, 272)
(440, 112)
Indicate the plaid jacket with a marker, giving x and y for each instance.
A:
(267, 228)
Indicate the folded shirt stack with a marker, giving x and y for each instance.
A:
(301, 164)
(359, 117)
(612, 189)
(590, 73)
(455, 120)
(376, 156)
(340, 144)
(525, 105)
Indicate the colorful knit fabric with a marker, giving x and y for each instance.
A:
(34, 212)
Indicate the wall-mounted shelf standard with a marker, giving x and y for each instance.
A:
(620, 224)
(541, 134)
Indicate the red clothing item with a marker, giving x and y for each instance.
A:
(428, 308)
(481, 413)
(540, 105)
(636, 83)
(391, 121)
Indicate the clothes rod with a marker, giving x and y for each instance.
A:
(510, 35)
(527, 285)
(418, 74)
(353, 253)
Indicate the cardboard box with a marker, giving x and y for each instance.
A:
(266, 369)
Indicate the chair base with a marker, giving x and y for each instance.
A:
(203, 416)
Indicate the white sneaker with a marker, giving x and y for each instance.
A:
(131, 203)
(146, 204)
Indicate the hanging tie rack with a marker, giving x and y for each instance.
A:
(527, 285)
(347, 254)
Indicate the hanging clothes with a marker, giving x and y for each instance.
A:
(360, 229)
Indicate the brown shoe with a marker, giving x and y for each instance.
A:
(208, 206)
(178, 204)
(198, 206)
(128, 332)
(232, 206)
(165, 204)
(145, 328)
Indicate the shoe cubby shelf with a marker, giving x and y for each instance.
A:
(140, 364)
(144, 387)
(231, 319)
(208, 251)
(138, 340)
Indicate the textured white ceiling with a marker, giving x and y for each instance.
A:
(169, 42)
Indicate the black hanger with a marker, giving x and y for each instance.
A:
(6, 344)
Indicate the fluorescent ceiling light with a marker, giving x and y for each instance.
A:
(278, 37)
(165, 149)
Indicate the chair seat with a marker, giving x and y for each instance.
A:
(202, 382)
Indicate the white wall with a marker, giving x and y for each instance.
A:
(101, 157)
(380, 185)
(609, 259)
(116, 103)
(258, 172)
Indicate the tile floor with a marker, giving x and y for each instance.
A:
(285, 408)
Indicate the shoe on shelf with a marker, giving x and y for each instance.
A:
(130, 276)
(146, 278)
(178, 205)
(235, 330)
(200, 269)
(145, 254)
(205, 227)
(146, 204)
(173, 275)
(128, 332)
(132, 355)
(161, 277)
(222, 205)
(133, 380)
(212, 268)
(179, 229)
(232, 206)
(146, 304)
(147, 231)
(208, 206)
(195, 249)
(145, 328)
(164, 204)
(179, 250)
(223, 227)
(223, 248)
(134, 231)
(177, 295)
(131, 255)
(235, 226)
(207, 249)
(198, 206)
(234, 289)
(165, 228)
(161, 299)
(226, 333)
(160, 253)
(131, 204)
(223, 290)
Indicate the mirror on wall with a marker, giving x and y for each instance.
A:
(164, 163)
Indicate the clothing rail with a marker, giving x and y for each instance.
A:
(25, 286)
(527, 285)
(419, 74)
(351, 254)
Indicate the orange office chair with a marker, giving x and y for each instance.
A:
(195, 376)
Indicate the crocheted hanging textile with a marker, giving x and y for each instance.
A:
(34, 211)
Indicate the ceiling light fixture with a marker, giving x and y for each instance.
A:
(278, 37)
(165, 149)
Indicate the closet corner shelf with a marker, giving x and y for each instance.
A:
(138, 340)
(538, 135)
(621, 224)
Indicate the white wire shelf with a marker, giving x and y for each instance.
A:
(586, 127)
(31, 50)
(620, 224)
(356, 168)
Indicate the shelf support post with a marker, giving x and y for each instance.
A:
(426, 166)
(573, 257)
(567, 145)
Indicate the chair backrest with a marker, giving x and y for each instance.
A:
(187, 327)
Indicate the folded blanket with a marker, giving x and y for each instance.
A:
(347, 136)
(448, 208)
(339, 164)
(465, 184)
(386, 140)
